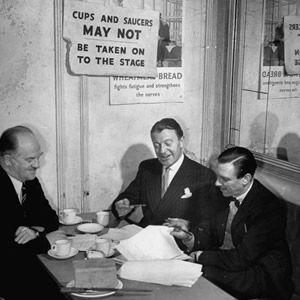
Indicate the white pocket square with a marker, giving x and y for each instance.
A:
(187, 194)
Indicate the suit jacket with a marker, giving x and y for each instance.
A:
(146, 189)
(260, 264)
(36, 211)
(19, 264)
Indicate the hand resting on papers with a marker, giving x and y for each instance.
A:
(180, 229)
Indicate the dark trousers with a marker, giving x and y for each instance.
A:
(244, 285)
(26, 278)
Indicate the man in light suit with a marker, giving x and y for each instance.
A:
(28, 223)
(249, 258)
(189, 188)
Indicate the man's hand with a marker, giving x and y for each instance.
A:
(176, 222)
(24, 234)
(181, 231)
(123, 207)
(55, 236)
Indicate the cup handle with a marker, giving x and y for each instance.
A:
(53, 247)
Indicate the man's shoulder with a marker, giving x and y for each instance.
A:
(260, 188)
(3, 173)
(263, 196)
(5, 180)
(194, 165)
(34, 183)
(150, 163)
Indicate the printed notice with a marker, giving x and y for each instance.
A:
(292, 44)
(279, 73)
(275, 83)
(110, 40)
(166, 87)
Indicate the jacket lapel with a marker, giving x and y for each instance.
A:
(154, 185)
(246, 206)
(176, 187)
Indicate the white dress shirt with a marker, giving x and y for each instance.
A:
(174, 168)
(18, 187)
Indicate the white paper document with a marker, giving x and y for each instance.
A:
(153, 242)
(118, 234)
(166, 272)
(83, 242)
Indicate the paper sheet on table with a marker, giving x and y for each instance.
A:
(118, 234)
(83, 242)
(153, 242)
(166, 272)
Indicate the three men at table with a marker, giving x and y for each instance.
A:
(190, 185)
(29, 224)
(250, 258)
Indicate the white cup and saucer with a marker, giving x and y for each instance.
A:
(105, 246)
(68, 216)
(62, 249)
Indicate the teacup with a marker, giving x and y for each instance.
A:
(68, 215)
(103, 245)
(103, 217)
(62, 247)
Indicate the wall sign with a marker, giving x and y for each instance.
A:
(292, 44)
(110, 40)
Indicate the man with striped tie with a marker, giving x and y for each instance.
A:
(244, 249)
(28, 223)
(171, 185)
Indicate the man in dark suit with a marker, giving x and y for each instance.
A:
(189, 184)
(28, 223)
(249, 258)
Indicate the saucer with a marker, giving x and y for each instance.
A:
(95, 294)
(111, 253)
(94, 253)
(77, 220)
(90, 227)
(72, 253)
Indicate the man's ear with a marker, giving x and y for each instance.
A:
(246, 179)
(7, 160)
(181, 141)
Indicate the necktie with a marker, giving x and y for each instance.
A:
(24, 193)
(165, 182)
(233, 208)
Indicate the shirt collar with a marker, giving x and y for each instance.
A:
(17, 184)
(243, 196)
(175, 167)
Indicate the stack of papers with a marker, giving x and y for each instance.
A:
(166, 272)
(153, 242)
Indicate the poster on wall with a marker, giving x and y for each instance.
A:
(292, 44)
(279, 55)
(168, 85)
(110, 40)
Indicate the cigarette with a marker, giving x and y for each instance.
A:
(136, 205)
(180, 229)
